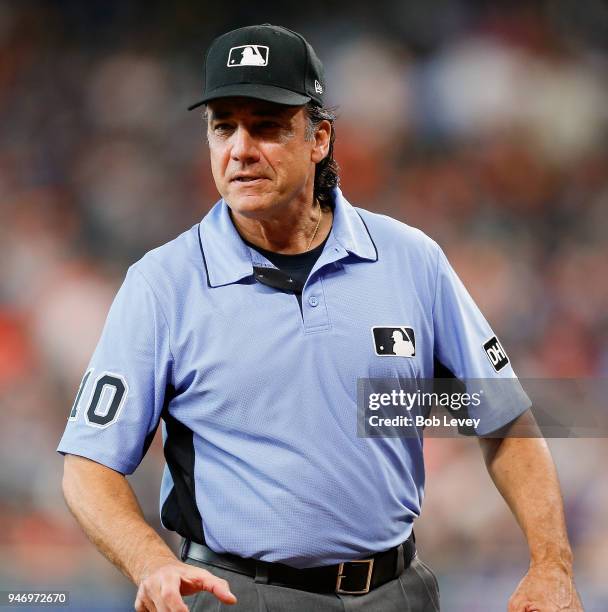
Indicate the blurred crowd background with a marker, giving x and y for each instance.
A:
(484, 124)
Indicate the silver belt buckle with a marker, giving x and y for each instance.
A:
(341, 575)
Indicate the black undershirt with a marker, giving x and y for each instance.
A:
(295, 267)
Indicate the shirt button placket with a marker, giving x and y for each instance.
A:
(315, 313)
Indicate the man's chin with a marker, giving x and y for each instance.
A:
(248, 204)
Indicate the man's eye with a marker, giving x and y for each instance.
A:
(269, 125)
(221, 127)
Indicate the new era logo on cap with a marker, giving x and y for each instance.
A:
(248, 55)
(394, 341)
(496, 354)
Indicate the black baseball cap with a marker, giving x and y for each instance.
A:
(266, 62)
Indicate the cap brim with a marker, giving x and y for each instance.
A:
(268, 93)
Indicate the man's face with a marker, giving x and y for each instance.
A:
(260, 157)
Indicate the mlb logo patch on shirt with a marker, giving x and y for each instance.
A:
(394, 341)
(248, 55)
(496, 354)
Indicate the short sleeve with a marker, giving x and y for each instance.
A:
(466, 345)
(119, 403)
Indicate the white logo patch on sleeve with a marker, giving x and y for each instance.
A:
(248, 55)
(496, 354)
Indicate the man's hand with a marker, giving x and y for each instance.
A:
(547, 587)
(95, 492)
(523, 471)
(163, 588)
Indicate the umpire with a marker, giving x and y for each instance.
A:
(245, 336)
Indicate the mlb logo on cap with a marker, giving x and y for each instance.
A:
(248, 55)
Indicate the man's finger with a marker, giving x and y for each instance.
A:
(208, 582)
(143, 603)
(518, 604)
(221, 589)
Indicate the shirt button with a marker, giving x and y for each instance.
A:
(313, 301)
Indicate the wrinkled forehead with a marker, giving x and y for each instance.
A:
(223, 108)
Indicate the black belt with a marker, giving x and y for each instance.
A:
(348, 578)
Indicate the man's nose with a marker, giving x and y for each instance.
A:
(244, 147)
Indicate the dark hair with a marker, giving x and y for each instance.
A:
(326, 172)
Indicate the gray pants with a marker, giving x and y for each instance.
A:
(416, 590)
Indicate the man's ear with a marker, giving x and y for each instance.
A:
(322, 135)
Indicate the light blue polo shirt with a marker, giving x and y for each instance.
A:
(258, 399)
